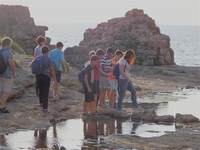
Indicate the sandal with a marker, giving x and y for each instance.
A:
(4, 110)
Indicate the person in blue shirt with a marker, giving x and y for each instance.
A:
(6, 78)
(57, 56)
(43, 80)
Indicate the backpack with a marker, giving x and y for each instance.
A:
(116, 70)
(37, 66)
(3, 65)
(81, 75)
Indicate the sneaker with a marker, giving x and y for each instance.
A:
(138, 108)
(110, 105)
(4, 110)
(55, 98)
(45, 111)
(121, 111)
(102, 105)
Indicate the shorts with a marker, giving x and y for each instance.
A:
(6, 84)
(104, 82)
(89, 96)
(58, 76)
(96, 89)
(113, 85)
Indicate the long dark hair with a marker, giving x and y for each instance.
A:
(129, 56)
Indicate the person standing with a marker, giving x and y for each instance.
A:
(88, 84)
(6, 78)
(91, 53)
(43, 80)
(41, 40)
(124, 80)
(97, 71)
(112, 82)
(106, 67)
(57, 56)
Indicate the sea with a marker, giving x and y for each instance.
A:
(184, 40)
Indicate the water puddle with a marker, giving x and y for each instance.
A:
(90, 134)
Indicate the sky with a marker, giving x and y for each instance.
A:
(164, 12)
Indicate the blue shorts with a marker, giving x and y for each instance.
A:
(58, 76)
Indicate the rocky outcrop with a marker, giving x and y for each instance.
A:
(15, 22)
(185, 118)
(135, 31)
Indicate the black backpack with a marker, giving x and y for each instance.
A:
(116, 71)
(3, 65)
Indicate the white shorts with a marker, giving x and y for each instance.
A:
(6, 84)
(113, 85)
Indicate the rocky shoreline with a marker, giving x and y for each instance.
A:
(26, 114)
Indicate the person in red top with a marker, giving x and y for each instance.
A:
(97, 70)
(112, 82)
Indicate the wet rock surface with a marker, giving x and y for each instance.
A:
(185, 118)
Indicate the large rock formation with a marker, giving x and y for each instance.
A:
(136, 31)
(15, 22)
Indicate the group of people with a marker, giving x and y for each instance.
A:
(51, 60)
(53, 66)
(99, 80)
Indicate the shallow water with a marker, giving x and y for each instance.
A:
(90, 134)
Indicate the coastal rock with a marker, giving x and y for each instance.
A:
(137, 115)
(164, 119)
(149, 115)
(17, 24)
(135, 31)
(187, 118)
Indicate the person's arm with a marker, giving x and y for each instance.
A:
(12, 66)
(64, 66)
(53, 74)
(105, 74)
(86, 83)
(122, 72)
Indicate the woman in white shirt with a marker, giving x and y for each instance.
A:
(124, 80)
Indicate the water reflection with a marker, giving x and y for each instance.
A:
(81, 134)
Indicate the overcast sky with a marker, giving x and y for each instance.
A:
(173, 12)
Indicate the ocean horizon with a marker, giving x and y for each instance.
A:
(184, 39)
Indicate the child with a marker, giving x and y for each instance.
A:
(91, 53)
(112, 82)
(105, 65)
(88, 84)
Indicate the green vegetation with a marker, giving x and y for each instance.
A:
(17, 49)
(68, 66)
(158, 71)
